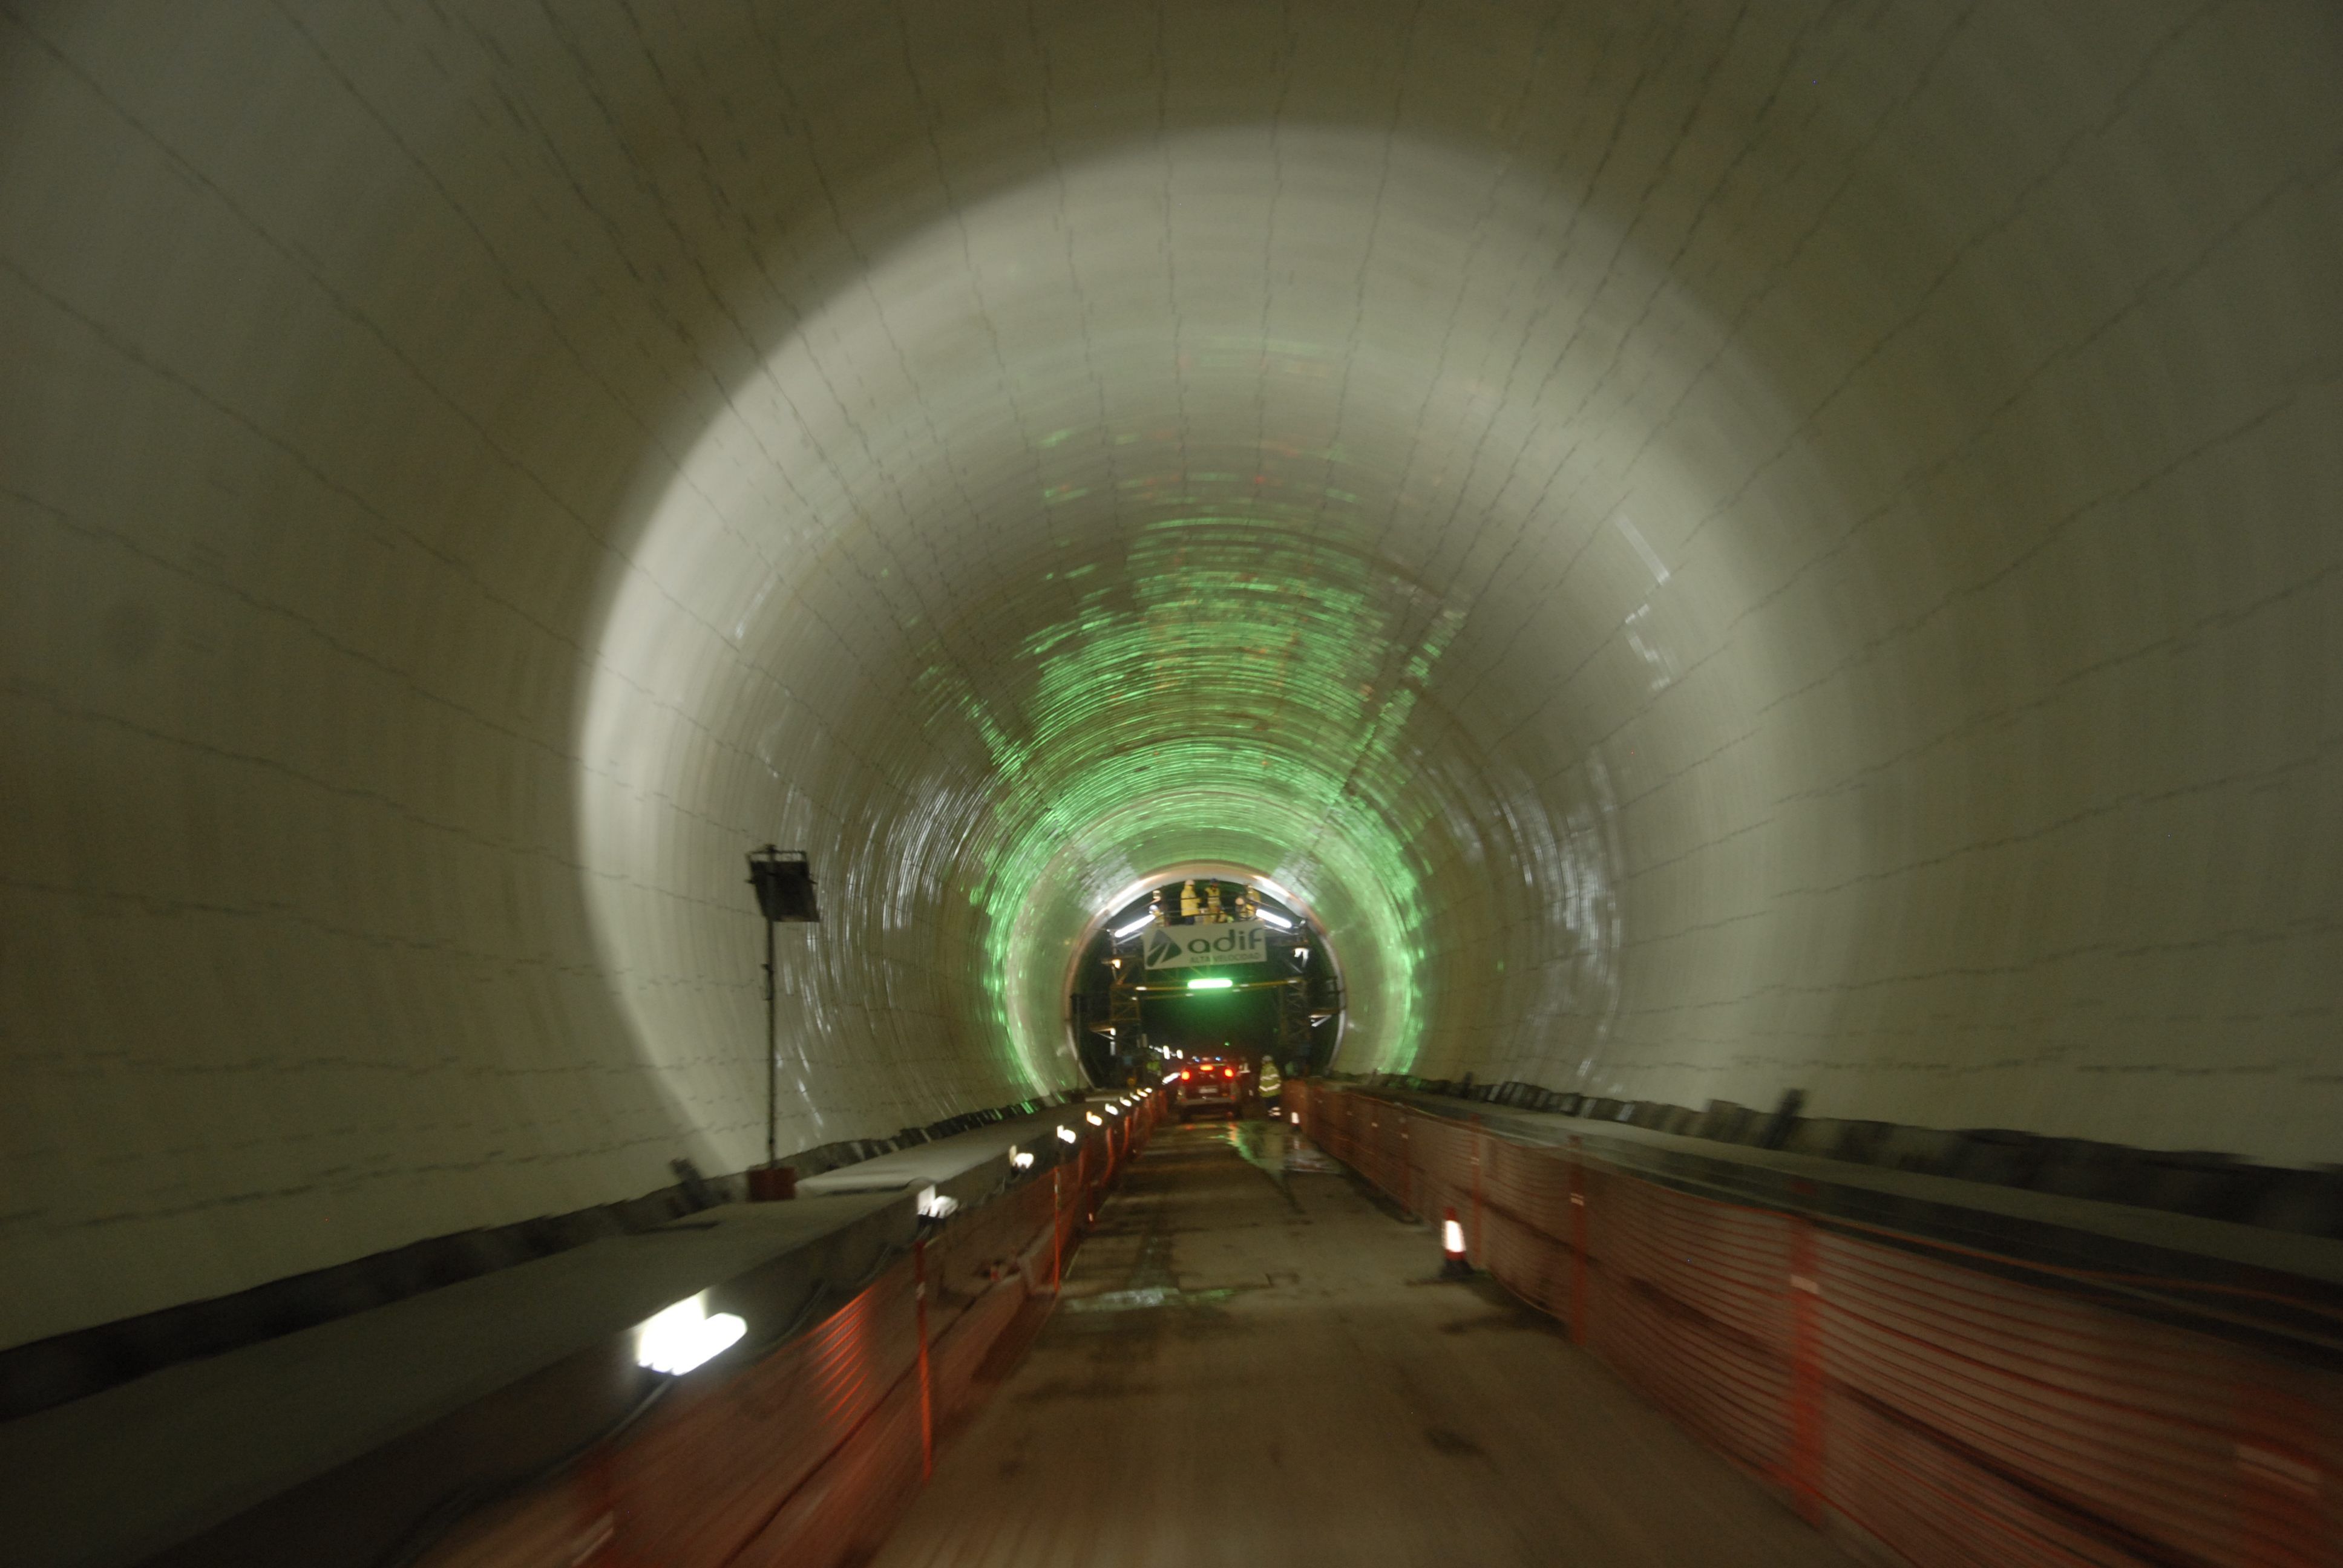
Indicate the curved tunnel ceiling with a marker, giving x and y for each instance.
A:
(1161, 573)
(1716, 550)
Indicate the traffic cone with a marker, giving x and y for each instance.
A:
(1454, 1264)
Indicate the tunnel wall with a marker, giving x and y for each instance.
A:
(1722, 551)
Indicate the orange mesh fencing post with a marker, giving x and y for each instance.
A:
(927, 1392)
(1805, 1477)
(1410, 1198)
(601, 1502)
(1480, 1254)
(1083, 1185)
(1579, 1313)
(2281, 1519)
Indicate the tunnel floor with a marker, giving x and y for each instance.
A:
(1253, 1364)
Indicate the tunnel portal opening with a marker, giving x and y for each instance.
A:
(1197, 965)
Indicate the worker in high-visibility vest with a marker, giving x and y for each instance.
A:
(1266, 1084)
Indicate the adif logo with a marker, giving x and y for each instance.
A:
(1184, 946)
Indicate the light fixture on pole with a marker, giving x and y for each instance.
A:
(784, 884)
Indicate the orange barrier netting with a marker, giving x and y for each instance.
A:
(807, 1455)
(1896, 1390)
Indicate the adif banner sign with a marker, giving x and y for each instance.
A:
(1195, 947)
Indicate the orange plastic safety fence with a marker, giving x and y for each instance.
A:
(1912, 1393)
(806, 1455)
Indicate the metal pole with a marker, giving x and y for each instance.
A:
(772, 1054)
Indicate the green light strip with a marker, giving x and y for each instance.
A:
(1237, 696)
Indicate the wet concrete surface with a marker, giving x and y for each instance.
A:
(1255, 1365)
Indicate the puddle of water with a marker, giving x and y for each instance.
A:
(1150, 1298)
(1273, 1148)
(1122, 1301)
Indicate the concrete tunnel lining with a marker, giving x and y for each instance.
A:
(1733, 551)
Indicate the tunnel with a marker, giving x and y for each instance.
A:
(1769, 577)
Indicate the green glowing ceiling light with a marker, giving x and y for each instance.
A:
(1241, 694)
(1215, 983)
